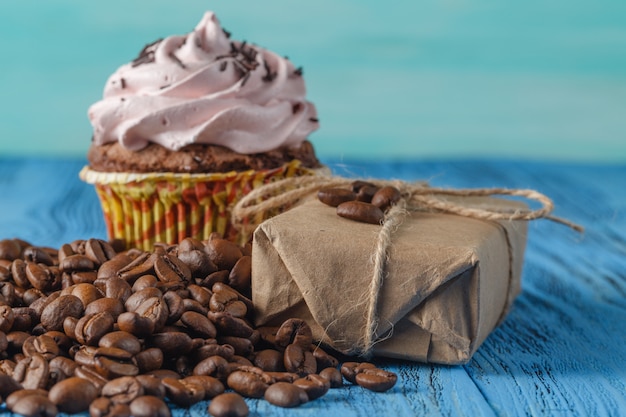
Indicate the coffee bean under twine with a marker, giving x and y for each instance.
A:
(363, 202)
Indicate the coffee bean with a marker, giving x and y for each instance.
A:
(366, 193)
(299, 360)
(117, 288)
(323, 359)
(16, 396)
(314, 385)
(7, 317)
(113, 266)
(73, 395)
(284, 394)
(249, 381)
(223, 254)
(241, 275)
(295, 331)
(8, 385)
(112, 306)
(122, 390)
(84, 355)
(360, 211)
(133, 323)
(9, 249)
(138, 297)
(210, 347)
(375, 379)
(175, 306)
(229, 325)
(43, 345)
(215, 277)
(32, 372)
(172, 344)
(269, 360)
(198, 324)
(104, 407)
(31, 295)
(349, 370)
(201, 294)
(91, 328)
(198, 262)
(76, 263)
(88, 373)
(18, 273)
(359, 184)
(149, 406)
(228, 300)
(215, 366)
(61, 368)
(151, 385)
(144, 281)
(212, 386)
(183, 392)
(155, 309)
(85, 292)
(35, 405)
(121, 340)
(37, 255)
(141, 265)
(149, 359)
(229, 404)
(169, 268)
(65, 306)
(334, 377)
(114, 363)
(4, 342)
(243, 346)
(335, 196)
(43, 277)
(386, 197)
(99, 251)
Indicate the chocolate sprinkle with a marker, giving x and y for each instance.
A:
(177, 60)
(314, 119)
(243, 59)
(245, 79)
(296, 108)
(227, 33)
(123, 83)
(269, 75)
(146, 55)
(223, 65)
(298, 71)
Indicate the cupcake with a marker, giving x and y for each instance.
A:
(190, 126)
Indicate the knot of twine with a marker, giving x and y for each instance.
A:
(415, 197)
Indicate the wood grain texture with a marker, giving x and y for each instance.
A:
(560, 352)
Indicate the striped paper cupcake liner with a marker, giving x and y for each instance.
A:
(144, 209)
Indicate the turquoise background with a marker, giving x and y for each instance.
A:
(533, 79)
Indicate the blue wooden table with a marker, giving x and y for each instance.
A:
(560, 352)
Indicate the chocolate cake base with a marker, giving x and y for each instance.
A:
(195, 158)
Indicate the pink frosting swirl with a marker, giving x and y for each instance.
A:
(205, 88)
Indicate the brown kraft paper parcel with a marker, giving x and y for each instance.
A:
(449, 280)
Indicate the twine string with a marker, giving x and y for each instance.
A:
(415, 197)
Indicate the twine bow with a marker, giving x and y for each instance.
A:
(415, 197)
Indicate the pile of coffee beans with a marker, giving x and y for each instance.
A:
(364, 202)
(93, 326)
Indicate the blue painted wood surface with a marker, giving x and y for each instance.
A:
(560, 352)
